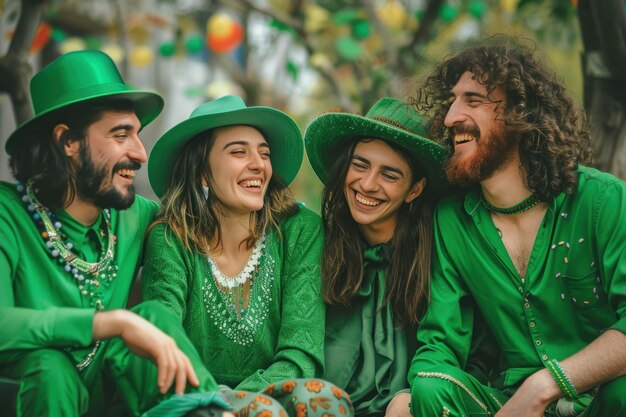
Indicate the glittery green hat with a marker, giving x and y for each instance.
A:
(390, 120)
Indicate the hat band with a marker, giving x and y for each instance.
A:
(393, 123)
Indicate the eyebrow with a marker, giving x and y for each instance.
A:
(121, 127)
(384, 167)
(470, 94)
(244, 143)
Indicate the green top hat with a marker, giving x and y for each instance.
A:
(77, 77)
(279, 130)
(390, 120)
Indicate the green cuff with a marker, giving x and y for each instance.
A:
(179, 405)
(72, 326)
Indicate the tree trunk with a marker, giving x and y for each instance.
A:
(15, 71)
(603, 28)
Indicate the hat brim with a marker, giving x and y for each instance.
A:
(279, 130)
(330, 133)
(147, 106)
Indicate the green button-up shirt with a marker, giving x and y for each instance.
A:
(40, 303)
(574, 289)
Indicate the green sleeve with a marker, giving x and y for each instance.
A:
(610, 234)
(27, 328)
(445, 334)
(300, 348)
(165, 271)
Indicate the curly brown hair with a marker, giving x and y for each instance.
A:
(554, 135)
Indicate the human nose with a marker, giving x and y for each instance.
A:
(137, 151)
(256, 161)
(455, 115)
(368, 182)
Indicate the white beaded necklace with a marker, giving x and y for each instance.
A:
(247, 271)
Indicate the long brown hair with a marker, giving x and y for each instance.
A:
(408, 273)
(554, 134)
(194, 218)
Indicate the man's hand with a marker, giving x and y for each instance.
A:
(399, 405)
(533, 396)
(147, 341)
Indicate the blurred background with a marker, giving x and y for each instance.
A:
(307, 57)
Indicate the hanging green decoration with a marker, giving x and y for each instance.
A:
(448, 13)
(194, 44)
(167, 49)
(361, 29)
(345, 17)
(477, 8)
(348, 48)
(292, 69)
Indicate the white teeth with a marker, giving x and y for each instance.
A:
(250, 183)
(463, 138)
(126, 173)
(366, 201)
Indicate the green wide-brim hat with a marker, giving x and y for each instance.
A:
(78, 77)
(390, 120)
(279, 130)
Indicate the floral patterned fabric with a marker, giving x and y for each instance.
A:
(302, 397)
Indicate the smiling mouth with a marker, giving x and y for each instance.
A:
(251, 184)
(126, 173)
(367, 201)
(461, 138)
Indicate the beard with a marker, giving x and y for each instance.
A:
(490, 155)
(91, 182)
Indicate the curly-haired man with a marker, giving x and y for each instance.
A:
(533, 252)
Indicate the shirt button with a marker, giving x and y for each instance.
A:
(538, 342)
(544, 357)
(521, 290)
(526, 305)
(532, 324)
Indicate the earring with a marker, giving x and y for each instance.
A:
(205, 190)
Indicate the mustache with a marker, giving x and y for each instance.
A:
(134, 165)
(465, 128)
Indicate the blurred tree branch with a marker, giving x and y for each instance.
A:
(15, 71)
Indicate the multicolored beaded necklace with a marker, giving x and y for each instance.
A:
(89, 276)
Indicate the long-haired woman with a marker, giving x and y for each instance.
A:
(381, 176)
(238, 260)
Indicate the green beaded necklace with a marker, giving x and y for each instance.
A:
(89, 276)
(526, 204)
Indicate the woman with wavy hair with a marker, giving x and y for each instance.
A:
(381, 177)
(238, 260)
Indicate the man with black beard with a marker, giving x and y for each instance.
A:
(71, 239)
(533, 253)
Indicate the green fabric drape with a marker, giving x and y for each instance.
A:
(365, 353)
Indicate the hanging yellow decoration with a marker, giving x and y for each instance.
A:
(114, 51)
(509, 6)
(72, 44)
(285, 6)
(393, 15)
(316, 18)
(141, 56)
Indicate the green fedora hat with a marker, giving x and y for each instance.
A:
(390, 120)
(279, 130)
(77, 77)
